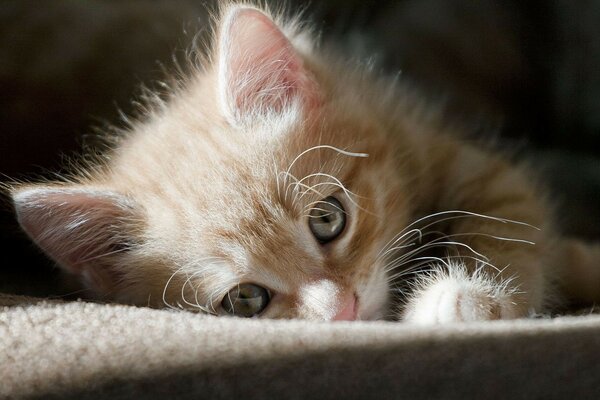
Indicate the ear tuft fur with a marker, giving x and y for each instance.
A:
(78, 227)
(260, 73)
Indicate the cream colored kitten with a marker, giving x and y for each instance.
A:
(279, 181)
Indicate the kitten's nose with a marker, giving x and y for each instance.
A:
(347, 310)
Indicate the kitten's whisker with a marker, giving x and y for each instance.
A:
(404, 238)
(324, 175)
(187, 266)
(164, 294)
(312, 189)
(326, 213)
(437, 241)
(403, 260)
(415, 268)
(197, 302)
(306, 190)
(185, 283)
(325, 146)
(412, 272)
(287, 173)
(401, 236)
(442, 240)
(484, 216)
(434, 268)
(506, 239)
(501, 238)
(196, 289)
(286, 182)
(481, 262)
(337, 183)
(398, 263)
(423, 272)
(225, 287)
(464, 214)
(501, 271)
(399, 242)
(310, 206)
(222, 291)
(434, 244)
(475, 233)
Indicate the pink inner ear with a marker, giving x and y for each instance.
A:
(259, 69)
(73, 226)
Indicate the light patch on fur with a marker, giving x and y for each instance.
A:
(320, 299)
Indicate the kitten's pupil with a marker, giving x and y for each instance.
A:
(327, 220)
(246, 300)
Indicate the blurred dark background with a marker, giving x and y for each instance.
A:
(527, 72)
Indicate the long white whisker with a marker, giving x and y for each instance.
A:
(424, 258)
(436, 241)
(400, 263)
(404, 238)
(184, 268)
(164, 294)
(325, 146)
(464, 214)
(287, 175)
(306, 190)
(435, 244)
(336, 182)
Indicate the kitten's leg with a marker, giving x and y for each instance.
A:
(512, 279)
(456, 295)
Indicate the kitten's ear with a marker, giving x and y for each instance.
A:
(260, 72)
(79, 228)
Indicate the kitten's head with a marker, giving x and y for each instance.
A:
(261, 188)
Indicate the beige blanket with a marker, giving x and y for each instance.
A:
(84, 350)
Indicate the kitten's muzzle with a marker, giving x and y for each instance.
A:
(347, 309)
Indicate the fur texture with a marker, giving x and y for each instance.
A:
(215, 186)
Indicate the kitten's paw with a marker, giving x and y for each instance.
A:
(458, 297)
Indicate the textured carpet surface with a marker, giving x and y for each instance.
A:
(86, 350)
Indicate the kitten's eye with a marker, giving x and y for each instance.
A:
(246, 300)
(327, 220)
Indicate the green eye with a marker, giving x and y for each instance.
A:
(246, 300)
(327, 220)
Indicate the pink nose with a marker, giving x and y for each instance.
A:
(347, 310)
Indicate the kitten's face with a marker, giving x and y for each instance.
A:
(295, 219)
(250, 194)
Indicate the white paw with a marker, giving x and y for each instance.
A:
(458, 297)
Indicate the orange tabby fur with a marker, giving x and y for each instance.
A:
(214, 186)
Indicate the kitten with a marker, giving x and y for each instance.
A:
(279, 181)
